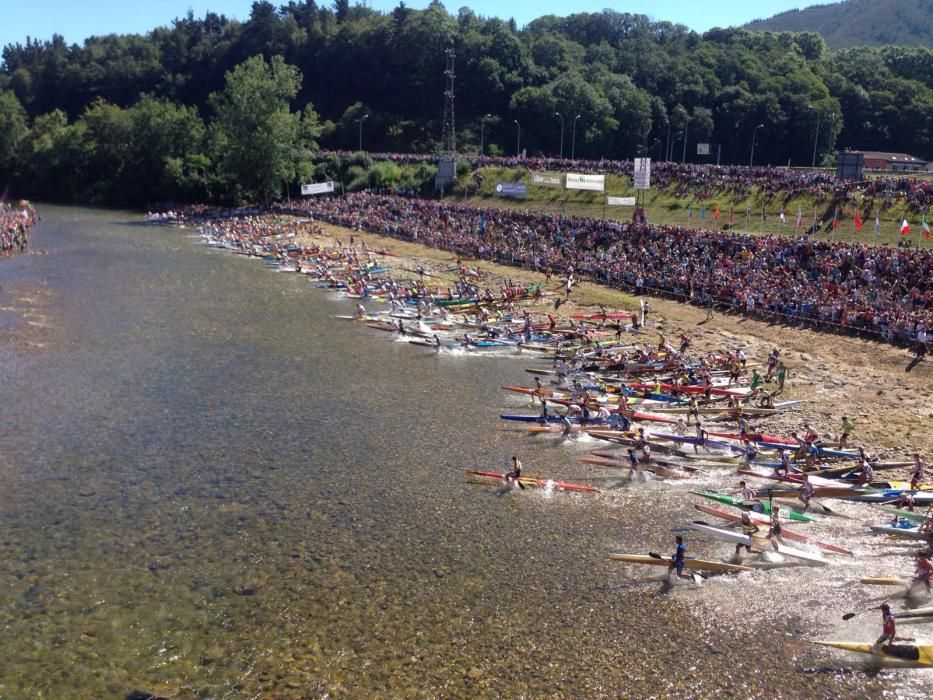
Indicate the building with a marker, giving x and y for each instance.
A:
(897, 162)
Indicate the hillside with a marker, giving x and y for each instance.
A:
(859, 23)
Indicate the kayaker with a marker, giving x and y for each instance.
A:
(566, 425)
(781, 376)
(917, 477)
(847, 428)
(905, 499)
(805, 492)
(755, 381)
(785, 463)
(751, 451)
(694, 410)
(747, 492)
(543, 418)
(515, 475)
(927, 524)
(774, 532)
(680, 428)
(749, 529)
(867, 473)
(632, 459)
(701, 436)
(888, 628)
(924, 568)
(679, 559)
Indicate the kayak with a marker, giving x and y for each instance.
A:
(757, 506)
(759, 542)
(906, 655)
(764, 520)
(906, 514)
(691, 389)
(689, 563)
(603, 316)
(911, 532)
(916, 612)
(884, 581)
(534, 481)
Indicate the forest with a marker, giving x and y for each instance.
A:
(214, 109)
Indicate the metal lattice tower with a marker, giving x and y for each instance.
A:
(449, 137)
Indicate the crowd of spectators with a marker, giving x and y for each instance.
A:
(883, 291)
(15, 222)
(703, 180)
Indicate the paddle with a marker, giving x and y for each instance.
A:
(849, 616)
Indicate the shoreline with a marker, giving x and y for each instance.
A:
(837, 375)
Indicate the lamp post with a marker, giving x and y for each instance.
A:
(573, 139)
(518, 139)
(561, 117)
(667, 147)
(816, 138)
(482, 130)
(751, 158)
(657, 142)
(361, 120)
(683, 157)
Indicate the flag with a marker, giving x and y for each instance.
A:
(716, 213)
(836, 219)
(783, 218)
(924, 225)
(877, 224)
(799, 216)
(905, 227)
(702, 212)
(858, 220)
(731, 217)
(690, 213)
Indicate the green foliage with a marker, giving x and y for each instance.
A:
(133, 106)
(857, 23)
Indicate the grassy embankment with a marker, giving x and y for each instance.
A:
(665, 207)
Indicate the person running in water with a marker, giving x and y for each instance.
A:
(515, 475)
(805, 493)
(749, 529)
(888, 628)
(679, 559)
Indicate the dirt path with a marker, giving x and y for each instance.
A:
(878, 387)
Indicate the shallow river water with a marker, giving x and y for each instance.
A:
(212, 488)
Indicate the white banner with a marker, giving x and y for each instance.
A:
(576, 181)
(545, 180)
(318, 188)
(642, 173)
(702, 149)
(620, 201)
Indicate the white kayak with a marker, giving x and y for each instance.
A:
(741, 538)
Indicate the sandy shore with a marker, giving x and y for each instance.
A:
(879, 387)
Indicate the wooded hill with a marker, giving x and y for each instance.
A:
(191, 110)
(859, 23)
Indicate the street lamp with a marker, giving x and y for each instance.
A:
(816, 138)
(361, 120)
(683, 158)
(518, 139)
(751, 158)
(561, 117)
(573, 139)
(482, 129)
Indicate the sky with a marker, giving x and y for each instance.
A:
(78, 19)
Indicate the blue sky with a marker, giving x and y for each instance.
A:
(78, 19)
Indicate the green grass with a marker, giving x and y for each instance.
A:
(664, 208)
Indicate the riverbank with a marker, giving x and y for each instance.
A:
(883, 389)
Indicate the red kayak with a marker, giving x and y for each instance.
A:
(607, 316)
(533, 481)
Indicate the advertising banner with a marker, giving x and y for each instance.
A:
(620, 201)
(642, 173)
(545, 180)
(511, 189)
(318, 188)
(577, 181)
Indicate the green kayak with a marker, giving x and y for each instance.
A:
(757, 506)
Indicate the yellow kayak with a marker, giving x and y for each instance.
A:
(906, 655)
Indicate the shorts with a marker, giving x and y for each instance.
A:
(776, 530)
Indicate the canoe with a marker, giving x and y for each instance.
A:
(915, 613)
(689, 563)
(757, 506)
(884, 581)
(600, 316)
(758, 542)
(534, 481)
(905, 655)
(764, 520)
(692, 389)
(911, 532)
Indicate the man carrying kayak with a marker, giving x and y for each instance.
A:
(805, 493)
(679, 559)
(749, 529)
(888, 628)
(515, 475)
(774, 533)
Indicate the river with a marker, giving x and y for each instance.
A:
(212, 488)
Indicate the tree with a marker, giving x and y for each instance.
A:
(257, 138)
(13, 129)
